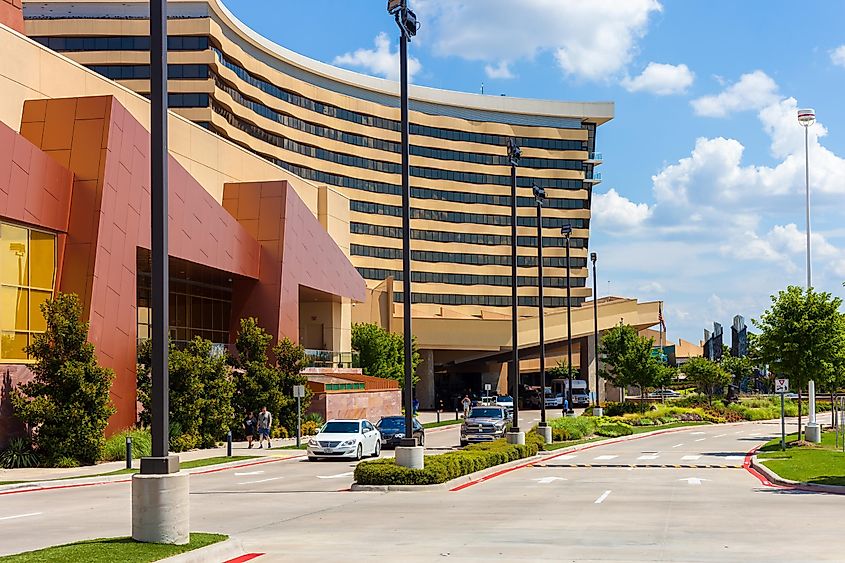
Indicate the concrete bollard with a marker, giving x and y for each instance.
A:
(129, 452)
(546, 433)
(160, 508)
(229, 444)
(411, 457)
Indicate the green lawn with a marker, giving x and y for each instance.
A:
(812, 463)
(442, 423)
(637, 430)
(109, 550)
(302, 446)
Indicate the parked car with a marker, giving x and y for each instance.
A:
(506, 402)
(668, 393)
(484, 424)
(345, 439)
(580, 399)
(392, 430)
(555, 400)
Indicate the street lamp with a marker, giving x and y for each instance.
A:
(806, 117)
(514, 154)
(597, 411)
(566, 231)
(540, 198)
(409, 454)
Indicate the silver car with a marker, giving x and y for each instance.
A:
(484, 424)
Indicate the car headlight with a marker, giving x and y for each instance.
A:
(348, 443)
(313, 442)
(399, 435)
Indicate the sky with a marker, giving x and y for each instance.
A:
(701, 203)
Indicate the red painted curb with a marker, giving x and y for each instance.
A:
(245, 557)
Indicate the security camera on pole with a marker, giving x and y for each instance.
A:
(806, 117)
(408, 454)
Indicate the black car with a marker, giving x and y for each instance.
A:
(392, 430)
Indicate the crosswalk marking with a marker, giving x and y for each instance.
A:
(605, 457)
(649, 456)
(690, 457)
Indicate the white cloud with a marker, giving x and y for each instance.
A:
(753, 91)
(500, 71)
(592, 40)
(380, 61)
(614, 211)
(837, 56)
(651, 287)
(661, 79)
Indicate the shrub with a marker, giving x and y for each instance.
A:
(315, 418)
(618, 409)
(115, 448)
(279, 432)
(614, 429)
(572, 428)
(444, 467)
(309, 428)
(18, 454)
(68, 400)
(65, 462)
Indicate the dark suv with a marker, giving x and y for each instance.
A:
(392, 430)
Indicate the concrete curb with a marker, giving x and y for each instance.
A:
(457, 481)
(776, 479)
(220, 551)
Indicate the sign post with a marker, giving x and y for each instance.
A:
(487, 388)
(298, 392)
(782, 386)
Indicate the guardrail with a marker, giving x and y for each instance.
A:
(330, 358)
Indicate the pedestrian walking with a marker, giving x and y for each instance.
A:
(467, 403)
(265, 423)
(250, 428)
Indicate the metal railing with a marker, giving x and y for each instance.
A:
(330, 358)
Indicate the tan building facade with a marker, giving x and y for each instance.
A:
(339, 128)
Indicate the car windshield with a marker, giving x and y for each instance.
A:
(504, 399)
(336, 427)
(391, 424)
(485, 413)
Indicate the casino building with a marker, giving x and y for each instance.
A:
(285, 198)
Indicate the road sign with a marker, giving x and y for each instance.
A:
(299, 390)
(487, 386)
(781, 385)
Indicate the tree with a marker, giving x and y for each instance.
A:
(68, 400)
(560, 371)
(381, 353)
(290, 361)
(257, 383)
(801, 336)
(740, 369)
(201, 390)
(707, 376)
(629, 361)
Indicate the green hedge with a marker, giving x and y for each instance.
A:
(570, 428)
(445, 467)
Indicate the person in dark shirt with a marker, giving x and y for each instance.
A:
(249, 427)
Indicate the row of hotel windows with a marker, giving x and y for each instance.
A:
(484, 300)
(122, 43)
(460, 217)
(27, 280)
(383, 166)
(464, 238)
(390, 124)
(382, 144)
(142, 72)
(462, 258)
(468, 279)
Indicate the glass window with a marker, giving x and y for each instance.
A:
(27, 278)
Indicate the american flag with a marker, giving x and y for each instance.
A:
(660, 317)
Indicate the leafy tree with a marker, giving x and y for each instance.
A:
(707, 376)
(801, 336)
(68, 400)
(257, 383)
(201, 390)
(629, 361)
(560, 371)
(381, 353)
(740, 369)
(290, 361)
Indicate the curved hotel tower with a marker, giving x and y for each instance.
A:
(341, 129)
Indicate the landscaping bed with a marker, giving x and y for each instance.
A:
(108, 550)
(445, 467)
(821, 464)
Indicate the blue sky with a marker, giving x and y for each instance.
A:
(701, 203)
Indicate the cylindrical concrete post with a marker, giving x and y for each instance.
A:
(161, 508)
(546, 433)
(411, 457)
(813, 432)
(515, 437)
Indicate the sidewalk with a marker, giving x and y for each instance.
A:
(53, 473)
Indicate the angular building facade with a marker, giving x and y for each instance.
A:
(339, 128)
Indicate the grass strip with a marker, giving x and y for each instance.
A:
(109, 550)
(442, 423)
(823, 463)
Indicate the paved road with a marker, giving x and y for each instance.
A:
(623, 501)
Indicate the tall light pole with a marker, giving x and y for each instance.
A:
(806, 117)
(566, 231)
(540, 198)
(597, 407)
(514, 154)
(406, 20)
(160, 494)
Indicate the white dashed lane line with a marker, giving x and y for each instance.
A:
(20, 516)
(605, 457)
(603, 496)
(259, 481)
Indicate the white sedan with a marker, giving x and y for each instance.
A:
(345, 439)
